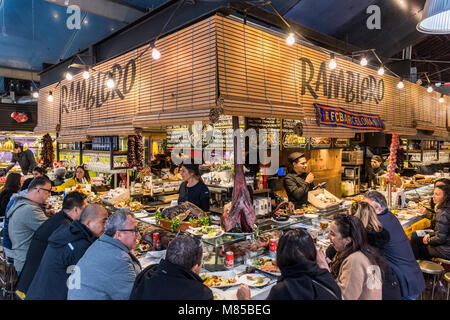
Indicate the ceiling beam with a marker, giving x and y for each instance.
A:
(111, 9)
(19, 74)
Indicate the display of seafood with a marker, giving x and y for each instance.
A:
(132, 205)
(183, 211)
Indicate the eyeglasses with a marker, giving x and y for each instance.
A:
(48, 190)
(135, 230)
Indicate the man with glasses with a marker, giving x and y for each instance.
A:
(108, 269)
(177, 276)
(398, 251)
(25, 217)
(65, 248)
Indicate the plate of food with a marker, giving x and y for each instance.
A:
(207, 232)
(289, 220)
(254, 280)
(267, 265)
(311, 216)
(223, 279)
(140, 215)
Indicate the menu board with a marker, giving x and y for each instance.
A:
(289, 139)
(320, 143)
(177, 137)
(272, 125)
(341, 143)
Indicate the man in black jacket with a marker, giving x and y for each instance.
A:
(298, 182)
(25, 158)
(176, 277)
(73, 204)
(65, 247)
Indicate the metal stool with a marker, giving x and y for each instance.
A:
(7, 278)
(447, 278)
(445, 263)
(433, 269)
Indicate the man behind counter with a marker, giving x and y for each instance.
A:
(298, 182)
(25, 158)
(375, 171)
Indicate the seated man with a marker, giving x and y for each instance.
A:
(73, 204)
(65, 247)
(176, 277)
(108, 269)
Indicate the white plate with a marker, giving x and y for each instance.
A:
(217, 293)
(138, 215)
(290, 220)
(150, 220)
(311, 216)
(219, 233)
(156, 254)
(230, 274)
(251, 283)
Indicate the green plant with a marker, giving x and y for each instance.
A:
(175, 224)
(158, 215)
(191, 220)
(205, 221)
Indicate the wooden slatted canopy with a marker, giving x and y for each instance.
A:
(244, 69)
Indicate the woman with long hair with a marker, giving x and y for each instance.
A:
(81, 176)
(437, 243)
(304, 276)
(193, 189)
(357, 266)
(12, 186)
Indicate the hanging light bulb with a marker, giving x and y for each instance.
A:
(400, 85)
(381, 71)
(69, 76)
(290, 40)
(110, 83)
(86, 74)
(430, 88)
(50, 97)
(332, 64)
(363, 61)
(35, 94)
(156, 54)
(441, 99)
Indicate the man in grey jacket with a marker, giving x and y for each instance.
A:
(108, 269)
(25, 217)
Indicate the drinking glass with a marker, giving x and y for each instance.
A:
(323, 226)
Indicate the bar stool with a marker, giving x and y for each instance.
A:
(447, 278)
(445, 263)
(8, 277)
(433, 269)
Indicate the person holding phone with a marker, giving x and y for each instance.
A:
(298, 182)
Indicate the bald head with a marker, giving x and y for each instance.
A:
(94, 216)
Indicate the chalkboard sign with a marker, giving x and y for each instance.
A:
(341, 143)
(289, 139)
(272, 126)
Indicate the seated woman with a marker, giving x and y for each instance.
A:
(302, 278)
(81, 176)
(436, 244)
(430, 213)
(357, 266)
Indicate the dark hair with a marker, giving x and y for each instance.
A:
(193, 168)
(185, 251)
(39, 169)
(39, 181)
(17, 145)
(294, 247)
(377, 197)
(446, 190)
(86, 173)
(73, 199)
(445, 181)
(350, 226)
(12, 182)
(91, 212)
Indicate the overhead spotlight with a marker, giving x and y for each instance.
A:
(110, 83)
(441, 99)
(69, 76)
(50, 97)
(35, 94)
(400, 84)
(363, 61)
(290, 40)
(86, 74)
(430, 88)
(332, 64)
(381, 71)
(156, 54)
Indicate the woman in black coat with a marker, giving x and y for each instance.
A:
(301, 276)
(436, 244)
(12, 186)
